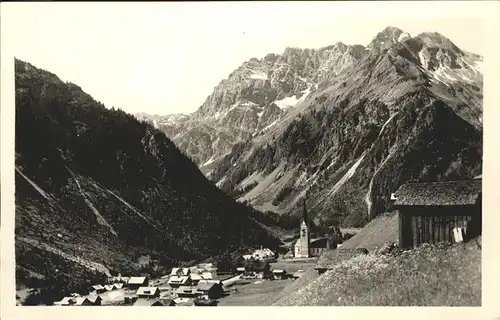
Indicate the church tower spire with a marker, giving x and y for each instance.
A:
(302, 246)
(305, 218)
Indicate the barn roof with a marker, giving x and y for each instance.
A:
(147, 291)
(136, 280)
(330, 258)
(80, 301)
(196, 276)
(442, 193)
(205, 286)
(318, 243)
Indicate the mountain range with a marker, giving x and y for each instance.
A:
(98, 192)
(342, 126)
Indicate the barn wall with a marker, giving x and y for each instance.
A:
(418, 225)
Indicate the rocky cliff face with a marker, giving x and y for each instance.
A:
(369, 119)
(252, 99)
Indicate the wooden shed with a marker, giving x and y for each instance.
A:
(429, 212)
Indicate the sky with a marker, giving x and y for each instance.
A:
(163, 58)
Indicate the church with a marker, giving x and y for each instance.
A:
(305, 247)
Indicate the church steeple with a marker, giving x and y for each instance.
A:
(304, 213)
(302, 246)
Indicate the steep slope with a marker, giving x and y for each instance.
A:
(380, 231)
(252, 100)
(96, 190)
(410, 109)
(428, 276)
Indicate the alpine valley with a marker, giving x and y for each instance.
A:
(343, 126)
(98, 192)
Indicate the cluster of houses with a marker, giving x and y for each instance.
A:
(263, 254)
(260, 269)
(185, 287)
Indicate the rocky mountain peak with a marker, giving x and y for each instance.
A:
(385, 38)
(437, 40)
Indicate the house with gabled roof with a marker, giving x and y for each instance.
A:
(195, 278)
(96, 289)
(438, 212)
(109, 287)
(154, 302)
(81, 301)
(187, 292)
(95, 300)
(176, 281)
(209, 289)
(148, 292)
(136, 282)
(66, 301)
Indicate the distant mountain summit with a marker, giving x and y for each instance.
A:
(345, 125)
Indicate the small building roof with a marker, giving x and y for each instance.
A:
(97, 287)
(94, 298)
(442, 193)
(67, 300)
(318, 243)
(176, 279)
(330, 258)
(205, 286)
(186, 289)
(118, 285)
(214, 281)
(80, 301)
(278, 271)
(147, 291)
(196, 276)
(141, 302)
(136, 280)
(109, 287)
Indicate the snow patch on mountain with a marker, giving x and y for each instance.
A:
(404, 36)
(209, 161)
(269, 126)
(286, 102)
(292, 101)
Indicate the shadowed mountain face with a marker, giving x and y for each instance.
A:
(359, 123)
(96, 189)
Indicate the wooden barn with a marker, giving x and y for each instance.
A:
(437, 212)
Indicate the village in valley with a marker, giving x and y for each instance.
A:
(200, 285)
(263, 273)
(204, 284)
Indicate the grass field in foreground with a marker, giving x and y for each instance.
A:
(265, 292)
(428, 276)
